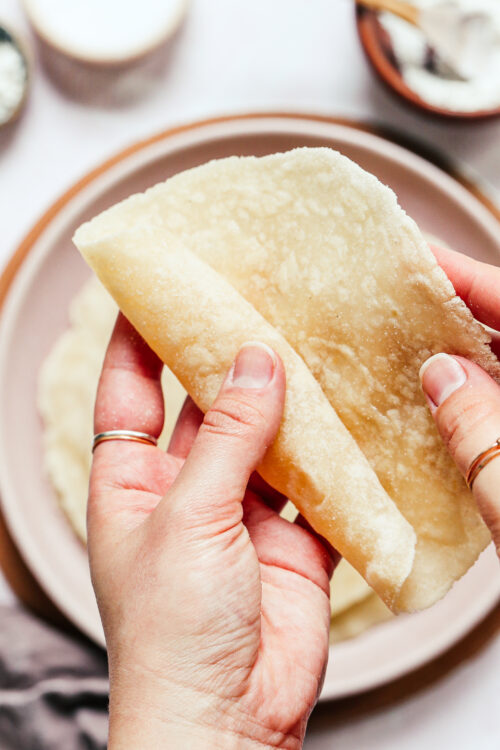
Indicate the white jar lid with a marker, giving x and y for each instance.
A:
(105, 31)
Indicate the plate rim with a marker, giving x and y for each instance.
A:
(9, 278)
(425, 151)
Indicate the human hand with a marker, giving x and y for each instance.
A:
(463, 399)
(215, 610)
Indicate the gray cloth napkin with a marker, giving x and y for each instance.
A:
(53, 687)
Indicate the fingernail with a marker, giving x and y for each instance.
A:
(440, 376)
(254, 366)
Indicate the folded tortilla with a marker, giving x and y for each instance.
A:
(311, 254)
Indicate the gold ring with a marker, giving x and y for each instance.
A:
(482, 460)
(138, 437)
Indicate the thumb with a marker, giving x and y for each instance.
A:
(231, 442)
(465, 403)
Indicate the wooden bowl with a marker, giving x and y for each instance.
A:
(378, 50)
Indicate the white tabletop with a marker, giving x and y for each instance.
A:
(233, 56)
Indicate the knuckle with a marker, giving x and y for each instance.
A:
(489, 506)
(492, 520)
(493, 523)
(234, 417)
(459, 421)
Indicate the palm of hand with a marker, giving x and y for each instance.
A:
(252, 609)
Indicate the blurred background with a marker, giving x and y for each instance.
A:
(79, 84)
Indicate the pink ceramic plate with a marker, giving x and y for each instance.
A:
(48, 271)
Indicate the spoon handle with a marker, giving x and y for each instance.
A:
(398, 7)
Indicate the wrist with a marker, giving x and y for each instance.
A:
(147, 734)
(149, 713)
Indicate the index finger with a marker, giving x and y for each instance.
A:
(478, 284)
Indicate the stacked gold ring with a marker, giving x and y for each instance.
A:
(137, 437)
(482, 460)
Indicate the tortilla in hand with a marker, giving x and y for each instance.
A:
(311, 254)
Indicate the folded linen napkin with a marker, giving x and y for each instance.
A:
(53, 687)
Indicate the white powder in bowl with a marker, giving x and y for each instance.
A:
(481, 92)
(13, 77)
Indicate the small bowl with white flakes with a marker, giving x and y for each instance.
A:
(442, 57)
(14, 76)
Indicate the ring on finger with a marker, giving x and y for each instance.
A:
(133, 435)
(482, 460)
